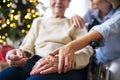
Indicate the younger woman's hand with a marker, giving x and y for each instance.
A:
(77, 21)
(66, 58)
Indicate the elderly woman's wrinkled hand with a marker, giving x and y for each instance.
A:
(16, 58)
(46, 65)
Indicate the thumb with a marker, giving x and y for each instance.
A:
(55, 52)
(71, 21)
(20, 53)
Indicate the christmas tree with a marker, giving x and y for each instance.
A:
(16, 17)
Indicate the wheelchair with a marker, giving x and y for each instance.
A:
(97, 71)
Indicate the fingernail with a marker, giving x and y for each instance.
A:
(31, 73)
(64, 71)
(59, 72)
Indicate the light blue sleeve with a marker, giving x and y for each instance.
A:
(110, 27)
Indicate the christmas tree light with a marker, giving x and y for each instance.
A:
(16, 17)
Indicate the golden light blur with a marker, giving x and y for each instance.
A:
(15, 19)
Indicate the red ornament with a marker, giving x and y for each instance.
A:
(3, 50)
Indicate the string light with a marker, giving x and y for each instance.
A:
(4, 25)
(0, 21)
(23, 31)
(12, 11)
(4, 1)
(28, 26)
(15, 18)
(6, 34)
(9, 5)
(8, 21)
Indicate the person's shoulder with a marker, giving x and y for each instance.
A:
(117, 11)
(38, 19)
(116, 14)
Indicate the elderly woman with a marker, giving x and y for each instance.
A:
(109, 34)
(33, 61)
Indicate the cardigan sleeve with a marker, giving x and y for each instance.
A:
(82, 57)
(28, 43)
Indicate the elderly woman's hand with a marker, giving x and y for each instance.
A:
(16, 58)
(77, 21)
(46, 65)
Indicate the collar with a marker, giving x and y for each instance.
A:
(95, 14)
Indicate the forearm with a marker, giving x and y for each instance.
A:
(84, 40)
